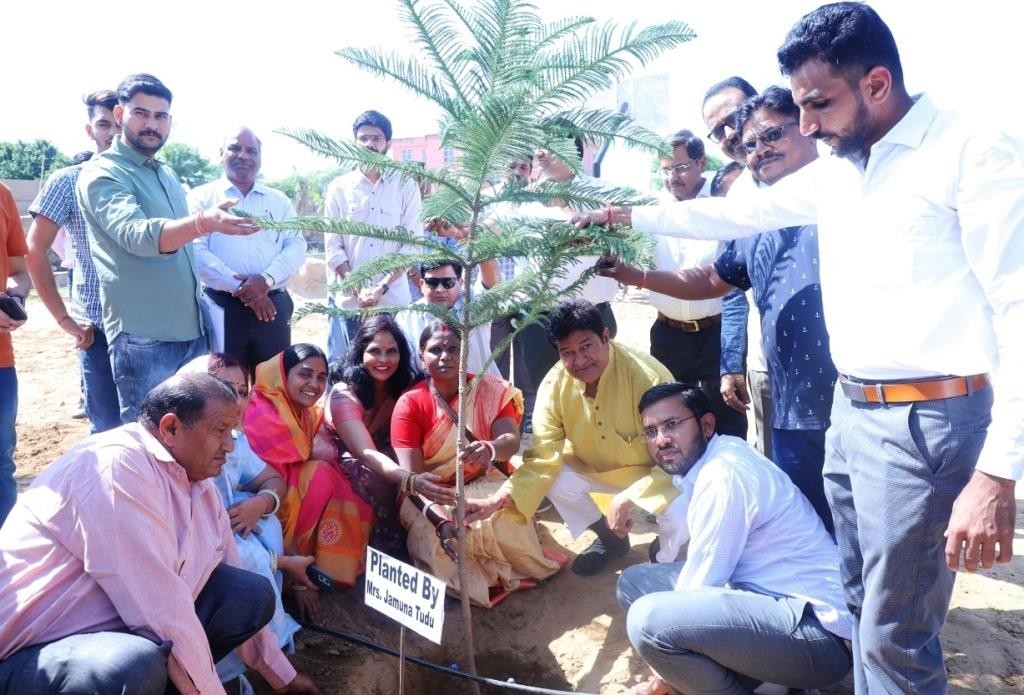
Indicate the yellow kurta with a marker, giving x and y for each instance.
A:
(601, 437)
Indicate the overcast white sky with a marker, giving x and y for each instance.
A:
(272, 65)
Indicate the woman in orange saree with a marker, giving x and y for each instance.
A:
(502, 554)
(321, 514)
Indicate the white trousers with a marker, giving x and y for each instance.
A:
(570, 494)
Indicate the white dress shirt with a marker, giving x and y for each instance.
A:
(220, 256)
(393, 201)
(922, 257)
(676, 253)
(751, 528)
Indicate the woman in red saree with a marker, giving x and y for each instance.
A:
(321, 514)
(502, 554)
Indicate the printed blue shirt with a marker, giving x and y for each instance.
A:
(56, 202)
(782, 269)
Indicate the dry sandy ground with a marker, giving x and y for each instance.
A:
(567, 634)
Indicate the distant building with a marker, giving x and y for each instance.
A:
(422, 148)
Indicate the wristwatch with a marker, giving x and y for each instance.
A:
(269, 279)
(384, 289)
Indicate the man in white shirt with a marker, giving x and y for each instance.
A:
(686, 336)
(441, 284)
(385, 200)
(921, 248)
(758, 598)
(244, 278)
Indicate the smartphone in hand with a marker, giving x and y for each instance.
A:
(12, 308)
(322, 580)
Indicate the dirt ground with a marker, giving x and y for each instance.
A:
(567, 634)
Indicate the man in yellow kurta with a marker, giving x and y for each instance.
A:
(587, 437)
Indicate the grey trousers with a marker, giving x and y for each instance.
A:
(725, 641)
(892, 473)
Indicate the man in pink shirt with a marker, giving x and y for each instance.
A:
(118, 571)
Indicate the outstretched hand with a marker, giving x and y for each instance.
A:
(480, 509)
(430, 485)
(218, 219)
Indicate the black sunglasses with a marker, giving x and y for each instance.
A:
(434, 283)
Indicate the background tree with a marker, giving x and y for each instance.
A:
(30, 160)
(507, 83)
(192, 168)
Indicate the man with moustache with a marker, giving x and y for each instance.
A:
(686, 335)
(586, 439)
(922, 257)
(140, 243)
(758, 598)
(53, 209)
(368, 196)
(118, 569)
(781, 268)
(746, 386)
(247, 277)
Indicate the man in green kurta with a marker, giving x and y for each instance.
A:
(140, 241)
(587, 436)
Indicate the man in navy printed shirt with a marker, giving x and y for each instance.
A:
(782, 269)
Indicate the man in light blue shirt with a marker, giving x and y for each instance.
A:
(244, 278)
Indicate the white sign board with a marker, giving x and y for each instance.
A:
(406, 594)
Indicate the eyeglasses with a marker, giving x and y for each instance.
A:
(367, 139)
(677, 169)
(767, 137)
(668, 427)
(717, 133)
(434, 283)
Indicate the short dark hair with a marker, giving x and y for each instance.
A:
(106, 98)
(142, 82)
(294, 354)
(350, 369)
(733, 82)
(777, 99)
(374, 119)
(692, 396)
(570, 316)
(222, 360)
(685, 138)
(81, 157)
(718, 182)
(849, 37)
(437, 326)
(434, 265)
(183, 395)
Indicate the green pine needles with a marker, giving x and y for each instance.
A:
(507, 83)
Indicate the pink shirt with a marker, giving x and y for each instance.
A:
(114, 535)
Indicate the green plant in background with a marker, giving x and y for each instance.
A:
(506, 83)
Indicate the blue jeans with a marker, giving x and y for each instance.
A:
(101, 402)
(892, 473)
(232, 606)
(139, 364)
(8, 438)
(801, 454)
(727, 641)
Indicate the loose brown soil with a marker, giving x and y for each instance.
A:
(567, 634)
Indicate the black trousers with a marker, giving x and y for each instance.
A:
(695, 358)
(248, 339)
(233, 606)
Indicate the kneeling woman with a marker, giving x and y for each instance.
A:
(321, 514)
(502, 554)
